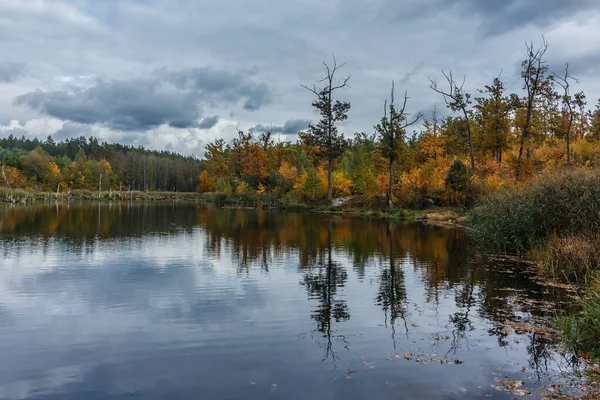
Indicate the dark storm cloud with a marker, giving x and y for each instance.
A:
(221, 84)
(584, 65)
(173, 98)
(502, 16)
(271, 47)
(208, 122)
(290, 127)
(10, 72)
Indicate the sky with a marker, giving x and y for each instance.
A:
(176, 74)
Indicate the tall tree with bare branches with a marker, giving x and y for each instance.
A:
(391, 131)
(537, 82)
(457, 100)
(325, 134)
(570, 103)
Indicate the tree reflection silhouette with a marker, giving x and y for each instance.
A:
(322, 281)
(391, 296)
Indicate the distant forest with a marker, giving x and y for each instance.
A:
(79, 162)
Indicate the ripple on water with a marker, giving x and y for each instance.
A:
(177, 302)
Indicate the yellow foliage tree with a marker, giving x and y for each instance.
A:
(341, 185)
(242, 188)
(288, 171)
(16, 179)
(206, 183)
(309, 186)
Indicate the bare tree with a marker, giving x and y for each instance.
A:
(569, 103)
(457, 100)
(391, 131)
(325, 134)
(536, 81)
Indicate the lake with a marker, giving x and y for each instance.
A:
(180, 301)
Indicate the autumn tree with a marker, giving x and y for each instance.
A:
(457, 100)
(494, 119)
(325, 133)
(216, 158)
(391, 131)
(40, 168)
(537, 82)
(253, 162)
(430, 143)
(206, 184)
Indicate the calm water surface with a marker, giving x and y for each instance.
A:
(185, 302)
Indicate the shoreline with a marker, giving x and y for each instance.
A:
(439, 216)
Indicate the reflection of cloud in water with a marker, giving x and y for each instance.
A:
(239, 296)
(51, 378)
(135, 293)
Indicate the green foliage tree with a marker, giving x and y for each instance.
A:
(458, 180)
(391, 131)
(493, 119)
(325, 133)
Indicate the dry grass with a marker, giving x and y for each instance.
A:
(562, 204)
(573, 258)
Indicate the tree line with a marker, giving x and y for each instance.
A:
(82, 163)
(490, 139)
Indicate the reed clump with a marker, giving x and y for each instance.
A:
(562, 204)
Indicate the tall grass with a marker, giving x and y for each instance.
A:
(558, 219)
(574, 258)
(562, 204)
(582, 330)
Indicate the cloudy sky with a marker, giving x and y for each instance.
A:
(175, 74)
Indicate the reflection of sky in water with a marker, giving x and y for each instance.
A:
(169, 316)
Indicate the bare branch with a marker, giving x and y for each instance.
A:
(342, 85)
(414, 121)
(313, 89)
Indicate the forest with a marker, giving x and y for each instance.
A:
(482, 142)
(489, 140)
(82, 163)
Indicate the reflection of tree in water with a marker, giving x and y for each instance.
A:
(512, 297)
(322, 282)
(461, 320)
(392, 291)
(492, 290)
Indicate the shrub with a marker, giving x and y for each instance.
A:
(563, 204)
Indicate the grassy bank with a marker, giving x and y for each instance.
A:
(28, 196)
(555, 220)
(356, 207)
(353, 206)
